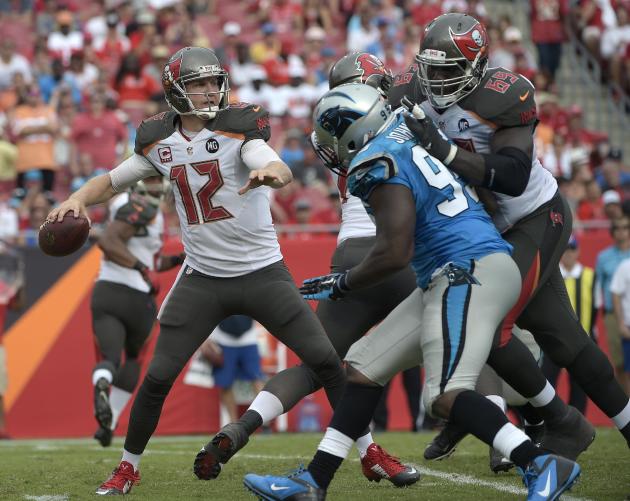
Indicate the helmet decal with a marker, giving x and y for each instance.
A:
(337, 120)
(369, 65)
(172, 70)
(471, 42)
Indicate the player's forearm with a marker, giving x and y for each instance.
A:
(282, 171)
(97, 190)
(378, 264)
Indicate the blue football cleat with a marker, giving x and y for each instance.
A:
(297, 486)
(548, 476)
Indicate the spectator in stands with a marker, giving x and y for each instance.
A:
(314, 40)
(612, 205)
(614, 41)
(362, 29)
(12, 297)
(64, 42)
(8, 158)
(82, 72)
(99, 133)
(506, 55)
(9, 221)
(49, 83)
(318, 13)
(33, 124)
(292, 152)
(269, 47)
(607, 262)
(82, 171)
(594, 18)
(580, 283)
(557, 156)
(137, 93)
(578, 135)
(11, 63)
(611, 176)
(592, 207)
(111, 48)
(259, 92)
(33, 211)
(159, 58)
(423, 11)
(97, 27)
(285, 15)
(549, 31)
(299, 95)
(244, 70)
(237, 338)
(620, 290)
(227, 51)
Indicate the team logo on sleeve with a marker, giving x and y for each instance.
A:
(165, 154)
(337, 120)
(471, 42)
(212, 145)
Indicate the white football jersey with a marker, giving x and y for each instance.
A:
(355, 221)
(224, 234)
(144, 245)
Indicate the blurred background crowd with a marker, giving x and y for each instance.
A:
(77, 77)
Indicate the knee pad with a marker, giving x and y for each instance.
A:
(591, 367)
(126, 378)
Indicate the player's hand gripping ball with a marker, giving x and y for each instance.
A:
(61, 238)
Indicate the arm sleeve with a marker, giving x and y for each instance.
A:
(129, 172)
(256, 154)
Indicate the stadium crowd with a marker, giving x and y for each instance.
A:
(78, 77)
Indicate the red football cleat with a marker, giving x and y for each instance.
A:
(378, 464)
(120, 481)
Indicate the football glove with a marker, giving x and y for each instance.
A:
(327, 287)
(149, 277)
(427, 133)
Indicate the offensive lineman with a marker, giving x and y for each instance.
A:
(123, 298)
(215, 157)
(490, 116)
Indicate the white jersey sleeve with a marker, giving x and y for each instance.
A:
(129, 172)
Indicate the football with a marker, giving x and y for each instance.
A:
(60, 238)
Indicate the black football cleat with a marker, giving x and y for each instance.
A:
(219, 450)
(104, 436)
(570, 436)
(102, 410)
(444, 443)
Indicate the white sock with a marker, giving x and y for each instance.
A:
(99, 373)
(544, 397)
(118, 398)
(508, 438)
(497, 400)
(335, 443)
(134, 459)
(267, 405)
(623, 418)
(363, 443)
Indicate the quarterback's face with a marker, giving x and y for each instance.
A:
(204, 92)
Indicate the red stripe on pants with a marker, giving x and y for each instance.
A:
(527, 290)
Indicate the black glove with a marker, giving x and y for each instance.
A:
(427, 133)
(327, 287)
(149, 277)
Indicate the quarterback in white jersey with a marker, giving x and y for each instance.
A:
(216, 157)
(123, 303)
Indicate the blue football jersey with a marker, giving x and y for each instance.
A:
(451, 224)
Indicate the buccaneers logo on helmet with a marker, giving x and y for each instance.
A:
(472, 42)
(172, 71)
(369, 65)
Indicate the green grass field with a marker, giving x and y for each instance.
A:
(58, 470)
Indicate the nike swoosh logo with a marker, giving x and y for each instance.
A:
(545, 492)
(275, 487)
(256, 109)
(524, 96)
(412, 471)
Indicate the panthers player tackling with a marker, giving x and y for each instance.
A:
(490, 116)
(221, 168)
(123, 298)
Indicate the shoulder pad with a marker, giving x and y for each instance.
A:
(154, 129)
(504, 98)
(244, 120)
(405, 83)
(366, 175)
(136, 212)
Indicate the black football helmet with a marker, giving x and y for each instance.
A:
(186, 65)
(361, 67)
(453, 58)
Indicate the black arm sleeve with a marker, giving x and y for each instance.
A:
(507, 171)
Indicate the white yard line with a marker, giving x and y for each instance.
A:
(63, 497)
